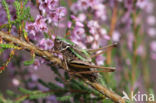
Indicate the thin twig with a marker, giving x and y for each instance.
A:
(106, 92)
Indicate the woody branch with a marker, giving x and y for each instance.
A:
(50, 57)
(30, 47)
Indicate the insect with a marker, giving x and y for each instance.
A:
(78, 62)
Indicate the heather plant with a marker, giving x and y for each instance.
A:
(87, 35)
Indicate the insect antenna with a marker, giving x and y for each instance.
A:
(103, 48)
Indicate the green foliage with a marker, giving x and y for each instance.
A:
(33, 1)
(25, 34)
(25, 2)
(151, 91)
(55, 70)
(9, 46)
(27, 94)
(18, 9)
(79, 88)
(64, 98)
(4, 100)
(1, 50)
(23, 14)
(6, 7)
(25, 91)
(33, 94)
(11, 93)
(30, 62)
(39, 95)
(107, 101)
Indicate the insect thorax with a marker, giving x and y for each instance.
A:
(65, 49)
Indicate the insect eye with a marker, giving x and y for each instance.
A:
(58, 41)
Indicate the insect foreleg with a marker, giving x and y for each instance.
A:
(65, 66)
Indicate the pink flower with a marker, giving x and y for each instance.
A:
(150, 7)
(151, 32)
(153, 56)
(103, 32)
(83, 4)
(100, 60)
(93, 2)
(43, 6)
(100, 11)
(96, 37)
(116, 36)
(78, 32)
(142, 3)
(93, 30)
(74, 8)
(81, 44)
(74, 18)
(77, 21)
(128, 62)
(50, 44)
(151, 20)
(141, 50)
(153, 46)
(82, 17)
(107, 37)
(130, 40)
(36, 29)
(36, 64)
(93, 24)
(69, 24)
(60, 56)
(52, 16)
(52, 4)
(46, 44)
(57, 15)
(39, 20)
(79, 24)
(30, 28)
(15, 82)
(40, 24)
(61, 12)
(94, 45)
(90, 39)
(34, 77)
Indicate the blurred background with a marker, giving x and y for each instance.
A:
(134, 29)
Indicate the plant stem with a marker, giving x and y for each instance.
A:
(105, 91)
(30, 47)
(112, 28)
